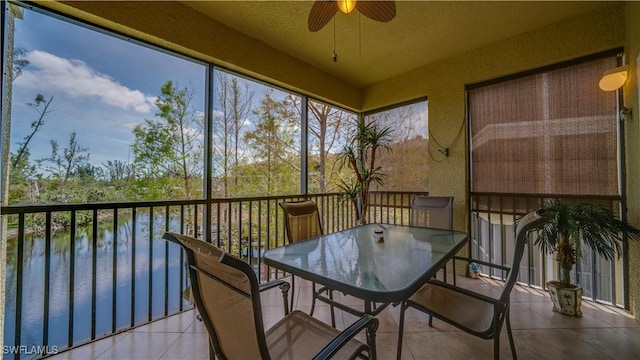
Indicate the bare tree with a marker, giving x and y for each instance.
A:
(235, 102)
(327, 124)
(328, 127)
(41, 106)
(64, 163)
(116, 170)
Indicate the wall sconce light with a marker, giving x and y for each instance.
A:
(614, 79)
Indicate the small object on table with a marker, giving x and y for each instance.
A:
(378, 235)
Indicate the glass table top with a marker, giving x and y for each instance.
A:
(354, 262)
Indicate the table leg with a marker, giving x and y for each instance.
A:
(371, 333)
(333, 314)
(367, 307)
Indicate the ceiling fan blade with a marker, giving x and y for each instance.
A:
(321, 13)
(377, 10)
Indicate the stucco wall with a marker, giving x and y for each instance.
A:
(444, 85)
(632, 139)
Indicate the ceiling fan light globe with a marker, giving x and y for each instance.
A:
(346, 6)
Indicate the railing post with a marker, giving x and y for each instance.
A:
(304, 144)
(19, 273)
(114, 273)
(47, 279)
(208, 146)
(94, 270)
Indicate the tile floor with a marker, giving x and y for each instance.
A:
(603, 332)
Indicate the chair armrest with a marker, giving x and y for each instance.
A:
(464, 291)
(273, 283)
(347, 334)
(283, 285)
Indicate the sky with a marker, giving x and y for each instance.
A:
(101, 86)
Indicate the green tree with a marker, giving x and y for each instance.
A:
(23, 180)
(273, 147)
(118, 178)
(168, 150)
(19, 62)
(88, 171)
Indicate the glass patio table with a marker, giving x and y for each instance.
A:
(353, 262)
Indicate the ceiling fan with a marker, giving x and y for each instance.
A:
(323, 11)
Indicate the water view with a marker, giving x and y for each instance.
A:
(135, 257)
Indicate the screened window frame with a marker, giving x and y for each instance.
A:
(620, 198)
(615, 52)
(211, 67)
(397, 105)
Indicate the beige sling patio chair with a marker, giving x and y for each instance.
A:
(227, 296)
(472, 312)
(432, 211)
(302, 222)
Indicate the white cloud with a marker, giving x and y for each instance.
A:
(130, 125)
(75, 78)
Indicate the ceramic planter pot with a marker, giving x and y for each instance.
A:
(566, 300)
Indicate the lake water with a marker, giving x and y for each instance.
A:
(131, 284)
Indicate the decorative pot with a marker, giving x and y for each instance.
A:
(566, 299)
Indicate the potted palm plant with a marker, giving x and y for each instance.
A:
(569, 228)
(359, 154)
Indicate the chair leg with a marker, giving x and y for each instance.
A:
(371, 341)
(285, 296)
(313, 298)
(313, 303)
(212, 353)
(293, 291)
(430, 320)
(403, 308)
(511, 343)
(496, 346)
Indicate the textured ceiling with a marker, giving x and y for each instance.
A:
(368, 51)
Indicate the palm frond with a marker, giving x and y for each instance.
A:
(583, 224)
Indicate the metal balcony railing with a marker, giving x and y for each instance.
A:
(80, 272)
(491, 227)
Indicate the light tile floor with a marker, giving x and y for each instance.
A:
(603, 332)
